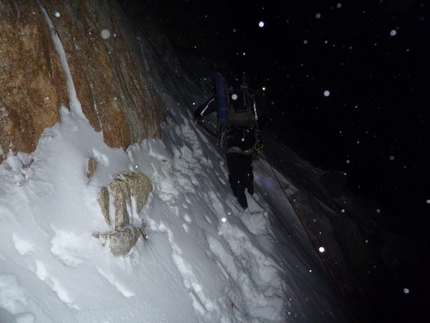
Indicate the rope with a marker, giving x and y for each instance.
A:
(330, 273)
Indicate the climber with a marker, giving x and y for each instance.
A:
(238, 131)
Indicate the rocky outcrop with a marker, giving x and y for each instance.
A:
(32, 84)
(142, 13)
(334, 182)
(127, 194)
(91, 167)
(105, 63)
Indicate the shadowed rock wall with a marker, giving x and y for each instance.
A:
(104, 60)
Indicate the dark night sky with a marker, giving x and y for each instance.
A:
(373, 58)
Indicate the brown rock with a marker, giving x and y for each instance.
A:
(104, 204)
(140, 186)
(31, 89)
(91, 168)
(107, 72)
(125, 233)
(121, 242)
(122, 199)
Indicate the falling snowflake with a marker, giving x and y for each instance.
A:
(326, 93)
(105, 34)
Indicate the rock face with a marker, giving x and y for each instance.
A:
(334, 182)
(104, 60)
(121, 193)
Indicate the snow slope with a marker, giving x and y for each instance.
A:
(206, 260)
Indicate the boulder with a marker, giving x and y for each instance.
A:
(121, 197)
(129, 193)
(121, 242)
(140, 186)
